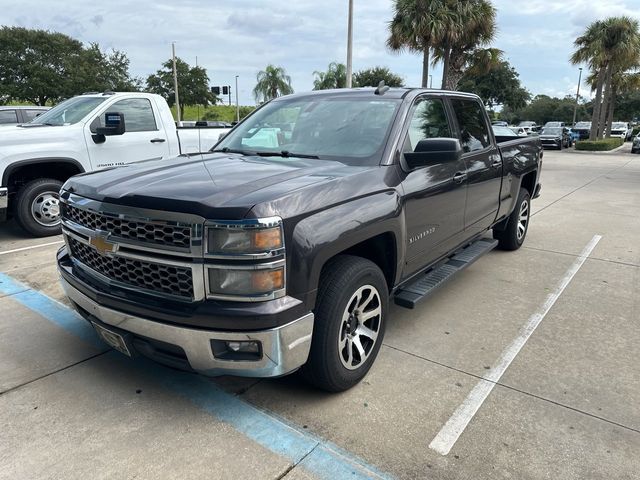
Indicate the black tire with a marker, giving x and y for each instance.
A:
(509, 235)
(342, 278)
(37, 209)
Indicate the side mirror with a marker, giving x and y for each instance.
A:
(113, 124)
(432, 151)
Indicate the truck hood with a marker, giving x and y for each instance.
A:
(20, 135)
(217, 186)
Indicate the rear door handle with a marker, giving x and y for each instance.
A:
(496, 163)
(459, 177)
(158, 140)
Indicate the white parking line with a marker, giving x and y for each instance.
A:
(6, 252)
(451, 431)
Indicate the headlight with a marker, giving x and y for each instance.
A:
(253, 238)
(247, 284)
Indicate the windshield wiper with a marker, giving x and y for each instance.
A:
(232, 150)
(285, 154)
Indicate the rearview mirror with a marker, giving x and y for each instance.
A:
(113, 124)
(432, 151)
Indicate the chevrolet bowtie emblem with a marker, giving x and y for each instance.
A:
(101, 244)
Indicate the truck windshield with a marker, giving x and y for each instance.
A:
(69, 112)
(352, 130)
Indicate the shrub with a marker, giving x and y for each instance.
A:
(599, 145)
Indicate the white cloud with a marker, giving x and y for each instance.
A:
(240, 37)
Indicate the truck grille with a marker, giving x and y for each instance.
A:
(140, 231)
(155, 277)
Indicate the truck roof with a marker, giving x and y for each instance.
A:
(395, 92)
(118, 94)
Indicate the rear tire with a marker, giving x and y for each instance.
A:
(350, 320)
(38, 207)
(512, 236)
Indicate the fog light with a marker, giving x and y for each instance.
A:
(237, 350)
(251, 347)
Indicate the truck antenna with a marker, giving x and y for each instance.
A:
(382, 88)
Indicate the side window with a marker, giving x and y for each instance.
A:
(138, 114)
(31, 114)
(428, 120)
(8, 116)
(474, 132)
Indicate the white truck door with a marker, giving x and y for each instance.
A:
(144, 138)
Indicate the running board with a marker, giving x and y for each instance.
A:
(410, 295)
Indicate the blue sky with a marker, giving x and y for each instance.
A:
(240, 37)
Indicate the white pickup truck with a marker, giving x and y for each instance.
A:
(36, 158)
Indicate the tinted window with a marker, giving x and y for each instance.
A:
(474, 132)
(31, 114)
(428, 120)
(8, 116)
(138, 114)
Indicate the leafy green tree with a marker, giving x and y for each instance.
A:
(334, 77)
(608, 47)
(371, 77)
(467, 26)
(415, 26)
(193, 84)
(272, 82)
(498, 86)
(39, 66)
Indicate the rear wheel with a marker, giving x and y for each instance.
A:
(349, 323)
(513, 233)
(38, 207)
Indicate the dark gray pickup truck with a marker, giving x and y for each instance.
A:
(281, 248)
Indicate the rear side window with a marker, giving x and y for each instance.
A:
(138, 114)
(31, 114)
(474, 132)
(8, 116)
(428, 120)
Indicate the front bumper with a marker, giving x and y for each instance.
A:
(4, 203)
(284, 349)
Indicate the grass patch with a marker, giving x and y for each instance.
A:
(599, 145)
(224, 113)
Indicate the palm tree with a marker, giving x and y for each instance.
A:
(272, 82)
(415, 26)
(609, 47)
(334, 77)
(470, 25)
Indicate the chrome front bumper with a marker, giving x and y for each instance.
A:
(285, 348)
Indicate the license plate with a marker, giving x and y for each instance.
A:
(113, 339)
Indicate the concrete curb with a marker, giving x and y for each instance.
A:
(608, 152)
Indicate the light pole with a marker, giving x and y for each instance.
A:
(575, 107)
(237, 104)
(349, 44)
(175, 80)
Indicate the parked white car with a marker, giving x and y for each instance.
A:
(621, 130)
(36, 158)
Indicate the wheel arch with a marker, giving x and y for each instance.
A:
(23, 171)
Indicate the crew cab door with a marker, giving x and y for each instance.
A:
(434, 195)
(484, 165)
(144, 138)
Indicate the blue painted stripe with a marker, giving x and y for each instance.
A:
(316, 455)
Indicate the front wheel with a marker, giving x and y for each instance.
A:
(512, 234)
(349, 323)
(38, 207)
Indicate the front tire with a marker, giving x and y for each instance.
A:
(512, 235)
(349, 323)
(38, 207)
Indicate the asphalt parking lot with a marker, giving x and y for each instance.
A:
(525, 366)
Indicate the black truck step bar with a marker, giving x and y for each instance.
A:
(423, 286)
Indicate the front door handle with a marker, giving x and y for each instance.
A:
(459, 177)
(158, 140)
(496, 163)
